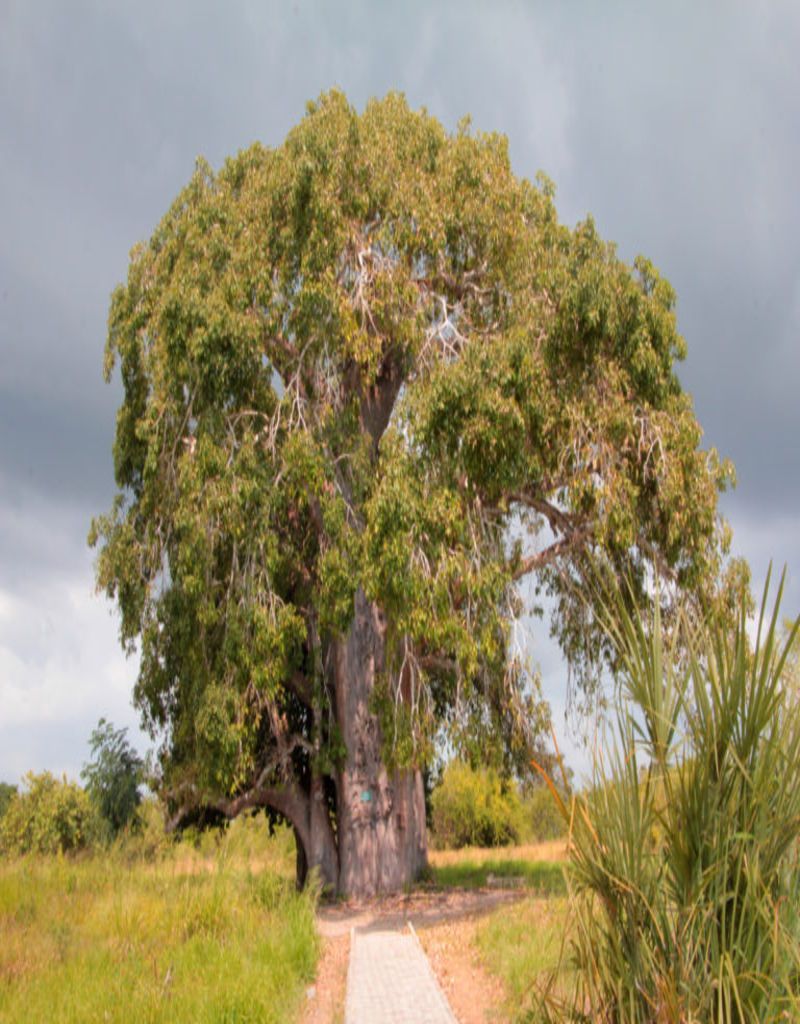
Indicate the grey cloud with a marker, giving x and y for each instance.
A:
(42, 539)
(61, 747)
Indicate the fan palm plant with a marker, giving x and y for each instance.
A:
(684, 871)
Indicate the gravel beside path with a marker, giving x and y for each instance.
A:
(390, 980)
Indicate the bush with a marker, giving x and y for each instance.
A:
(475, 808)
(543, 819)
(48, 816)
(685, 881)
(149, 840)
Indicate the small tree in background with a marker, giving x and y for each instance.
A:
(113, 776)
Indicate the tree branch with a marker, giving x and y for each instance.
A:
(559, 520)
(287, 799)
(437, 663)
(377, 401)
(577, 538)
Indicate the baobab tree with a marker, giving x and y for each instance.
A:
(371, 384)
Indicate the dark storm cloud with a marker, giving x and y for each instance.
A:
(674, 128)
(683, 136)
(103, 112)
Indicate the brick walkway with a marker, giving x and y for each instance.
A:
(391, 982)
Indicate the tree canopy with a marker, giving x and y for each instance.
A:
(371, 365)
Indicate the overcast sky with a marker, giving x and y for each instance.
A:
(676, 125)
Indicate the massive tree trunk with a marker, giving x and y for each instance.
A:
(379, 844)
(381, 833)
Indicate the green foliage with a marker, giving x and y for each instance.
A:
(365, 360)
(543, 819)
(148, 841)
(113, 776)
(7, 792)
(685, 876)
(48, 816)
(475, 807)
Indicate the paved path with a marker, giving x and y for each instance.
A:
(391, 982)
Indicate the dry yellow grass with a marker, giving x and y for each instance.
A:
(552, 850)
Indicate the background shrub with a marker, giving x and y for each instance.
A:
(48, 816)
(475, 807)
(149, 841)
(543, 818)
(7, 791)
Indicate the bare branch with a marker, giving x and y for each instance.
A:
(559, 520)
(576, 539)
(437, 663)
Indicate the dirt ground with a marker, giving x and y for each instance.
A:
(475, 996)
(325, 998)
(445, 922)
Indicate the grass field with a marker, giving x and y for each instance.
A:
(521, 945)
(537, 866)
(213, 931)
(209, 935)
(552, 850)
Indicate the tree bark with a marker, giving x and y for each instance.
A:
(321, 850)
(380, 813)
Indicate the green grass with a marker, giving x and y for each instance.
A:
(184, 938)
(545, 877)
(521, 945)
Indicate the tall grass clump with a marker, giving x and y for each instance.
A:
(684, 856)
